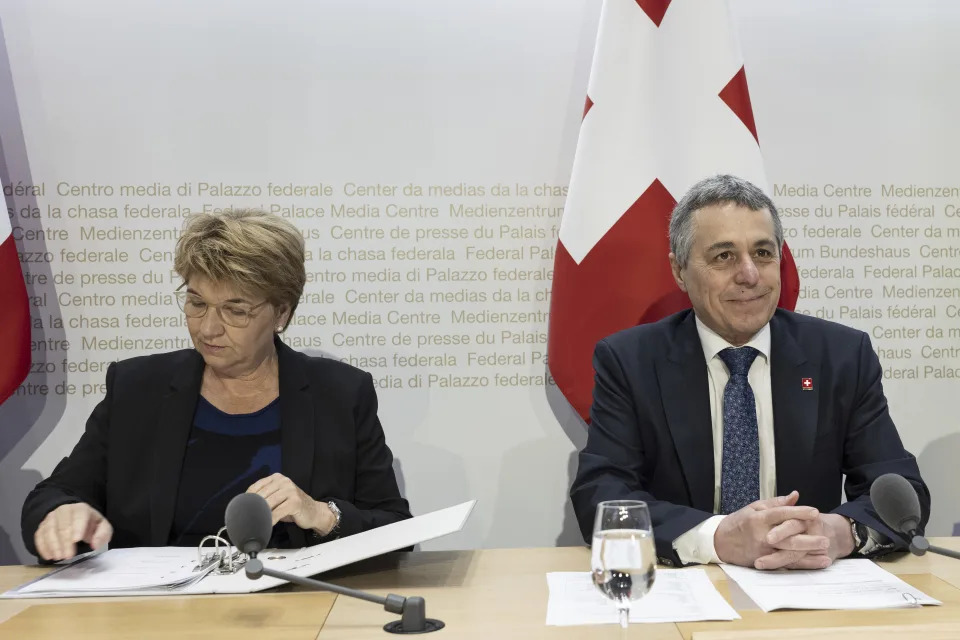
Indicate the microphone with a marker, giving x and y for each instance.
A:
(898, 506)
(249, 525)
(896, 503)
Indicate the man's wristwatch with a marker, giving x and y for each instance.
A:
(336, 514)
(860, 536)
(866, 541)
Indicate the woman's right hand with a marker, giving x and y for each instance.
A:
(60, 531)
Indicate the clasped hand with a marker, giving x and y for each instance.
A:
(777, 534)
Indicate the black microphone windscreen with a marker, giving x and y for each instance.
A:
(249, 523)
(896, 502)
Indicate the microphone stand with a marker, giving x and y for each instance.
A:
(919, 545)
(412, 610)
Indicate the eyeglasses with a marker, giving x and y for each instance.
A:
(233, 314)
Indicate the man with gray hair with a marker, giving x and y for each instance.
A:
(737, 421)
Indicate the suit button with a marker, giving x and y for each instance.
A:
(667, 562)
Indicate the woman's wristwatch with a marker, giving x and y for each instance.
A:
(336, 515)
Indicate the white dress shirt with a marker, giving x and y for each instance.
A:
(696, 545)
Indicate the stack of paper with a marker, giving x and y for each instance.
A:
(846, 584)
(678, 595)
(122, 570)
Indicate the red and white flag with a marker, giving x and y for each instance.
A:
(667, 105)
(14, 315)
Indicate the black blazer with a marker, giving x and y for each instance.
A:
(127, 463)
(651, 437)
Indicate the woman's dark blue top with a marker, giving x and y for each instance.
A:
(226, 453)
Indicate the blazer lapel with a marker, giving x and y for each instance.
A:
(173, 428)
(686, 402)
(296, 419)
(795, 405)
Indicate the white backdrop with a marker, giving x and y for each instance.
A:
(122, 115)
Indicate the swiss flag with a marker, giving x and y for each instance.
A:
(14, 315)
(667, 105)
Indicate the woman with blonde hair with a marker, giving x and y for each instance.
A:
(179, 434)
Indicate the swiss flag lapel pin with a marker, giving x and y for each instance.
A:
(806, 384)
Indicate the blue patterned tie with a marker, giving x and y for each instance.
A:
(740, 473)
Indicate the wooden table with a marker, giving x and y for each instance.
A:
(493, 593)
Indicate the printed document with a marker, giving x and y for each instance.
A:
(175, 571)
(855, 583)
(678, 595)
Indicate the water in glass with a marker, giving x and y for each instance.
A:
(623, 555)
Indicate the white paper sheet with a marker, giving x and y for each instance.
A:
(678, 595)
(855, 583)
(169, 570)
(122, 570)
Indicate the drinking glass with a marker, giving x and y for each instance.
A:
(623, 557)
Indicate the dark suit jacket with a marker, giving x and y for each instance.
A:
(651, 436)
(127, 464)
